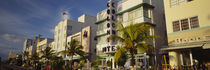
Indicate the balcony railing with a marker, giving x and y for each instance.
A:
(137, 20)
(99, 32)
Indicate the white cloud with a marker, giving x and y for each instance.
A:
(12, 38)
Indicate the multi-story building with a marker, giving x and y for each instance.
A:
(83, 30)
(27, 44)
(131, 12)
(69, 27)
(62, 30)
(30, 51)
(188, 31)
(31, 44)
(41, 45)
(12, 55)
(86, 38)
(52, 45)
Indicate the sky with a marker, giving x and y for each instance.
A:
(22, 19)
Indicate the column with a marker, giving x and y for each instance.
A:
(102, 61)
(181, 59)
(191, 58)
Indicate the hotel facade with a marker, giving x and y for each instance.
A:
(83, 30)
(130, 12)
(188, 31)
(43, 44)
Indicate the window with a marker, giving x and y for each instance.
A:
(139, 12)
(131, 15)
(173, 3)
(194, 22)
(146, 12)
(178, 2)
(184, 24)
(176, 26)
(182, 1)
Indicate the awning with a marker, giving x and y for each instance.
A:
(206, 46)
(74, 58)
(182, 47)
(66, 58)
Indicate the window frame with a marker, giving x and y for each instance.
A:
(193, 23)
(182, 24)
(174, 26)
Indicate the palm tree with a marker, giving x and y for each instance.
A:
(57, 62)
(95, 64)
(73, 48)
(35, 59)
(26, 56)
(121, 57)
(47, 54)
(133, 38)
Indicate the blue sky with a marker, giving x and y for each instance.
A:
(21, 19)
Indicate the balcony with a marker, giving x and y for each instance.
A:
(128, 4)
(137, 20)
(100, 32)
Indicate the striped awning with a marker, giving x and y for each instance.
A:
(181, 47)
(202, 44)
(206, 46)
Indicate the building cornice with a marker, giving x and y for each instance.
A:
(135, 7)
(98, 22)
(101, 35)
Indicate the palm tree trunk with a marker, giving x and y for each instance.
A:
(71, 61)
(132, 58)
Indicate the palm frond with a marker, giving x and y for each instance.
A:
(115, 37)
(143, 47)
(121, 51)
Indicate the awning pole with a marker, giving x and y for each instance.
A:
(191, 58)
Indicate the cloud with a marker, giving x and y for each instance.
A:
(12, 38)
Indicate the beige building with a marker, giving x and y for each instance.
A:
(30, 45)
(27, 44)
(68, 27)
(188, 31)
(83, 30)
(43, 44)
(52, 45)
(12, 55)
(73, 29)
(86, 38)
(30, 51)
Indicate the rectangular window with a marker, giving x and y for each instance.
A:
(146, 12)
(178, 2)
(130, 15)
(194, 23)
(182, 1)
(184, 24)
(173, 3)
(176, 26)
